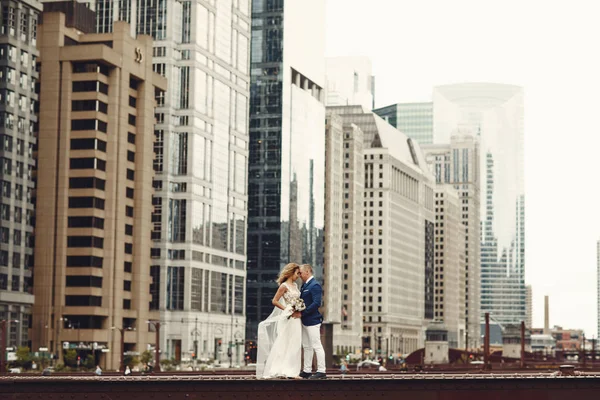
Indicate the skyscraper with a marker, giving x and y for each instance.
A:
(286, 181)
(398, 235)
(456, 165)
(344, 212)
(415, 120)
(449, 264)
(18, 133)
(495, 113)
(94, 194)
(201, 154)
(349, 82)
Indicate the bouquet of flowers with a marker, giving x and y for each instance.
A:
(297, 305)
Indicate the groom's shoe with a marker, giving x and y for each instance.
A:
(318, 375)
(305, 375)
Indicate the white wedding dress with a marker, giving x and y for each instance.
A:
(280, 340)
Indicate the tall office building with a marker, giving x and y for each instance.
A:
(201, 154)
(456, 165)
(332, 249)
(343, 274)
(398, 235)
(18, 129)
(350, 82)
(286, 181)
(495, 113)
(449, 265)
(415, 120)
(94, 195)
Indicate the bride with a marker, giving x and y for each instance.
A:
(279, 336)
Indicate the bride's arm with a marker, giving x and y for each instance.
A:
(282, 289)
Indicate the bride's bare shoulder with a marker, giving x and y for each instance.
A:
(283, 287)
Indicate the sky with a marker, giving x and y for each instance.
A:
(550, 48)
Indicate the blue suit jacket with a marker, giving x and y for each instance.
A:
(312, 294)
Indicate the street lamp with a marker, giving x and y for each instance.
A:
(3, 324)
(156, 325)
(122, 331)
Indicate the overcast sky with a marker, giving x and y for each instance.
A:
(550, 48)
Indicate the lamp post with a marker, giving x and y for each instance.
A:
(3, 324)
(122, 331)
(58, 346)
(156, 325)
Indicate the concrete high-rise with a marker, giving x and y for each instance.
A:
(199, 221)
(18, 133)
(398, 257)
(495, 113)
(456, 164)
(349, 82)
(286, 181)
(343, 269)
(415, 120)
(94, 195)
(449, 264)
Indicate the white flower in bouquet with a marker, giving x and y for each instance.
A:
(297, 305)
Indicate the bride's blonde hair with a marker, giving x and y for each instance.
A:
(286, 272)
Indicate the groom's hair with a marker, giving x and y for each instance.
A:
(307, 267)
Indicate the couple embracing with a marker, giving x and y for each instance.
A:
(294, 324)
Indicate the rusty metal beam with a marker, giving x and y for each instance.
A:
(463, 387)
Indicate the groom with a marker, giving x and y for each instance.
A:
(312, 293)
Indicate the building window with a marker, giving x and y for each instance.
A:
(87, 183)
(87, 163)
(88, 144)
(83, 301)
(88, 125)
(155, 287)
(179, 151)
(87, 67)
(177, 220)
(90, 86)
(89, 105)
(84, 261)
(86, 202)
(85, 241)
(175, 288)
(86, 222)
(84, 281)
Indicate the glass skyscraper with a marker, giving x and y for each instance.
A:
(495, 113)
(18, 139)
(201, 158)
(287, 147)
(415, 120)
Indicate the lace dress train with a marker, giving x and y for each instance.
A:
(280, 341)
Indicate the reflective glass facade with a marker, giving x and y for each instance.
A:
(287, 155)
(495, 113)
(415, 120)
(18, 138)
(201, 165)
